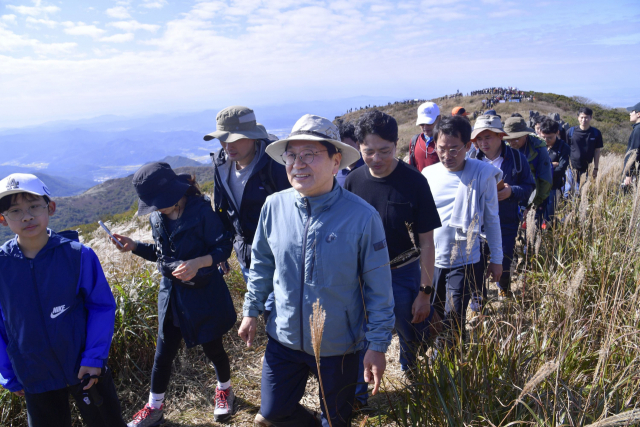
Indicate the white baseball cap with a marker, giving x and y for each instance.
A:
(23, 183)
(427, 113)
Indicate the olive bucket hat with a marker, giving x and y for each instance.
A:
(158, 187)
(237, 122)
(515, 127)
(314, 128)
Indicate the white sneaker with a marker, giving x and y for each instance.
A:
(148, 417)
(223, 404)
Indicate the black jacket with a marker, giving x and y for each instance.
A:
(204, 313)
(560, 153)
(267, 177)
(633, 144)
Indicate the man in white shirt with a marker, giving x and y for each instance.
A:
(465, 192)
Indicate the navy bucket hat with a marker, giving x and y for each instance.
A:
(158, 187)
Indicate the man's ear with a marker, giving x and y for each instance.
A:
(337, 158)
(52, 208)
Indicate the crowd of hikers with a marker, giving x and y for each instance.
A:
(329, 215)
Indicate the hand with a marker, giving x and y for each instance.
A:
(421, 307)
(223, 266)
(374, 365)
(595, 173)
(187, 270)
(91, 371)
(627, 180)
(555, 164)
(127, 243)
(505, 193)
(19, 393)
(494, 271)
(247, 330)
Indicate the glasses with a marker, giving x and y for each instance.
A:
(19, 214)
(306, 156)
(450, 153)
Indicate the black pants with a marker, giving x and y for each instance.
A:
(167, 349)
(51, 409)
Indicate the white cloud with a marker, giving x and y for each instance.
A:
(9, 19)
(118, 38)
(154, 4)
(36, 10)
(82, 29)
(10, 41)
(119, 12)
(627, 39)
(133, 25)
(36, 22)
(54, 48)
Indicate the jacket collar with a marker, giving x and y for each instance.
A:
(223, 165)
(12, 248)
(319, 203)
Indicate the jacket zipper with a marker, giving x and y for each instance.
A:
(44, 324)
(304, 256)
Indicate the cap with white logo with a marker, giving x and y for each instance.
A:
(23, 183)
(427, 113)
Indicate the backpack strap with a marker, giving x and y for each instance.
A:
(412, 150)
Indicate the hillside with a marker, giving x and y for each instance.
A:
(614, 123)
(112, 197)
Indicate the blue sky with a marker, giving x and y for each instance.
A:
(77, 59)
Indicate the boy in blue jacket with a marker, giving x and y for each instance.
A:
(57, 314)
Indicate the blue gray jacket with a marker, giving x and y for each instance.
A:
(517, 174)
(56, 314)
(330, 248)
(206, 313)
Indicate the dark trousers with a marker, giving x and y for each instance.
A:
(284, 378)
(51, 409)
(453, 290)
(509, 235)
(167, 349)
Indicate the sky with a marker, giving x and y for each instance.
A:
(79, 59)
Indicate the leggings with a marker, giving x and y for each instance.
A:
(167, 349)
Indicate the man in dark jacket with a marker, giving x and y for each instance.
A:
(586, 143)
(518, 185)
(559, 153)
(244, 177)
(633, 146)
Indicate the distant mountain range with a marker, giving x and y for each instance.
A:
(109, 147)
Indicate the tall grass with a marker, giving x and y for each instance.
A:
(566, 351)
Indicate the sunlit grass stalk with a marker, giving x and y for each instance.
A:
(316, 322)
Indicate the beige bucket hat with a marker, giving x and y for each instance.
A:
(515, 127)
(314, 128)
(237, 122)
(487, 122)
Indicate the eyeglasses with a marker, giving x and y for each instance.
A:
(450, 153)
(306, 156)
(19, 214)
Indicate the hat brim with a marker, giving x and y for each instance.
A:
(349, 154)
(18, 190)
(515, 135)
(425, 121)
(258, 133)
(634, 108)
(477, 132)
(167, 198)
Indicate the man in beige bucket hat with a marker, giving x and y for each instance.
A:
(244, 177)
(314, 243)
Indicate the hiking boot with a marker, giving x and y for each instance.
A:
(360, 406)
(148, 417)
(223, 404)
(260, 421)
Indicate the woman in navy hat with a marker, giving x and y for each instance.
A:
(194, 303)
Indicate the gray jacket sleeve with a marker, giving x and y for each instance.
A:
(378, 295)
(260, 281)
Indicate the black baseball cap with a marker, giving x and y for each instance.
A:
(634, 108)
(158, 187)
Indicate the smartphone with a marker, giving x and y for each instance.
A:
(104, 227)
